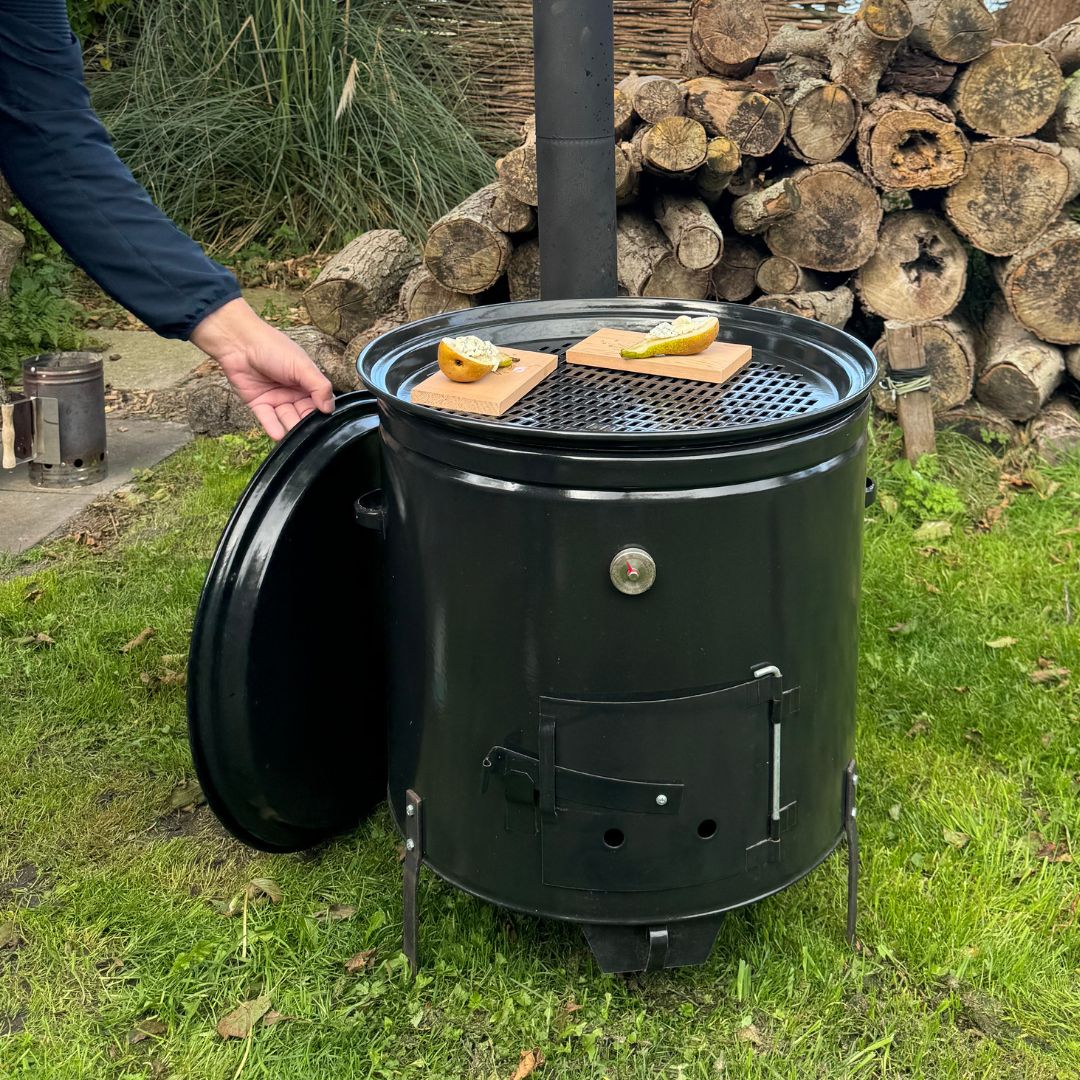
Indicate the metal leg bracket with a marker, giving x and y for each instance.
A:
(413, 854)
(851, 828)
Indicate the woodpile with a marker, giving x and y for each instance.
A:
(900, 171)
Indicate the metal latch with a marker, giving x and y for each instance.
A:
(783, 704)
(30, 430)
(520, 773)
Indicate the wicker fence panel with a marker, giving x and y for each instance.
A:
(493, 42)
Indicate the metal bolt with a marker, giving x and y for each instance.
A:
(410, 845)
(410, 810)
(661, 800)
(854, 811)
(855, 779)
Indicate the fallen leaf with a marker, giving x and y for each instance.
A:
(888, 504)
(9, 938)
(902, 628)
(928, 552)
(141, 638)
(961, 689)
(956, 839)
(973, 736)
(238, 1023)
(260, 887)
(751, 1035)
(894, 811)
(335, 913)
(1049, 672)
(1002, 643)
(273, 1017)
(146, 1029)
(933, 530)
(38, 641)
(1051, 851)
(920, 727)
(932, 589)
(528, 1062)
(186, 793)
(34, 595)
(570, 1007)
(360, 962)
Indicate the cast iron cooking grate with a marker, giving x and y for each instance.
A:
(579, 398)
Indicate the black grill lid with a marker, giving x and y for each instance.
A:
(802, 372)
(285, 673)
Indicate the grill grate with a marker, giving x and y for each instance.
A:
(578, 398)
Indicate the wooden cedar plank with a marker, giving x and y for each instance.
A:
(492, 395)
(716, 364)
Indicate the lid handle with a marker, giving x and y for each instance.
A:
(370, 511)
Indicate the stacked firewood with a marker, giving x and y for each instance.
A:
(851, 173)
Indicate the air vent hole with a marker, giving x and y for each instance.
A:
(707, 829)
(614, 838)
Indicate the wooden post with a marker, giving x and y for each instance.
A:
(914, 408)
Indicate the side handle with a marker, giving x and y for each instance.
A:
(370, 510)
(871, 491)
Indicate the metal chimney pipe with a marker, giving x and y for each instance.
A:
(574, 59)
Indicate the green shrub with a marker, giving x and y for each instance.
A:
(922, 493)
(322, 117)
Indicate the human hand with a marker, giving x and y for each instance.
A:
(271, 374)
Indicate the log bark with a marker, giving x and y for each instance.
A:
(1064, 46)
(465, 250)
(1011, 90)
(624, 115)
(1041, 283)
(328, 354)
(1055, 432)
(394, 318)
(361, 282)
(1012, 191)
(673, 280)
(754, 213)
(950, 351)
(833, 307)
(11, 245)
(822, 118)
(1019, 373)
(728, 36)
(672, 148)
(7, 197)
(918, 272)
(954, 30)
(213, 408)
(422, 295)
(722, 160)
(905, 351)
(778, 274)
(754, 122)
(641, 248)
(858, 47)
(517, 171)
(907, 142)
(523, 276)
(652, 97)
(689, 225)
(914, 72)
(1030, 20)
(1072, 362)
(835, 228)
(1066, 122)
(627, 173)
(733, 277)
(980, 424)
(509, 214)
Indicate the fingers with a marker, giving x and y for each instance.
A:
(311, 379)
(268, 420)
(287, 415)
(304, 407)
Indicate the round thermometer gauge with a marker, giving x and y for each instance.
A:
(633, 571)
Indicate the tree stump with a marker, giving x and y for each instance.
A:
(822, 118)
(523, 275)
(778, 275)
(1011, 90)
(1055, 432)
(1041, 283)
(1013, 190)
(11, 245)
(981, 424)
(722, 159)
(907, 142)
(465, 250)
(652, 97)
(918, 272)
(754, 213)
(949, 349)
(1019, 373)
(674, 147)
(833, 307)
(835, 228)
(733, 277)
(953, 30)
(691, 228)
(360, 282)
(517, 171)
(753, 122)
(422, 295)
(728, 36)
(857, 47)
(508, 214)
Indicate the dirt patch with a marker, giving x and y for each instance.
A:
(26, 888)
(12, 1023)
(168, 404)
(188, 822)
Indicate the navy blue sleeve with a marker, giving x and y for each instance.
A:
(57, 157)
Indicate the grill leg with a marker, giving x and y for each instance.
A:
(413, 853)
(851, 828)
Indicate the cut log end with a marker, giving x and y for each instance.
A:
(753, 121)
(674, 147)
(465, 250)
(1019, 372)
(1055, 432)
(733, 278)
(689, 225)
(756, 212)
(832, 307)
(1011, 90)
(953, 30)
(822, 121)
(949, 349)
(728, 36)
(422, 296)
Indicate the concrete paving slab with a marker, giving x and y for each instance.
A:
(29, 514)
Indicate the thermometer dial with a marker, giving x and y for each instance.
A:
(633, 571)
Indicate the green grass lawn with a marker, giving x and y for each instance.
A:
(969, 957)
